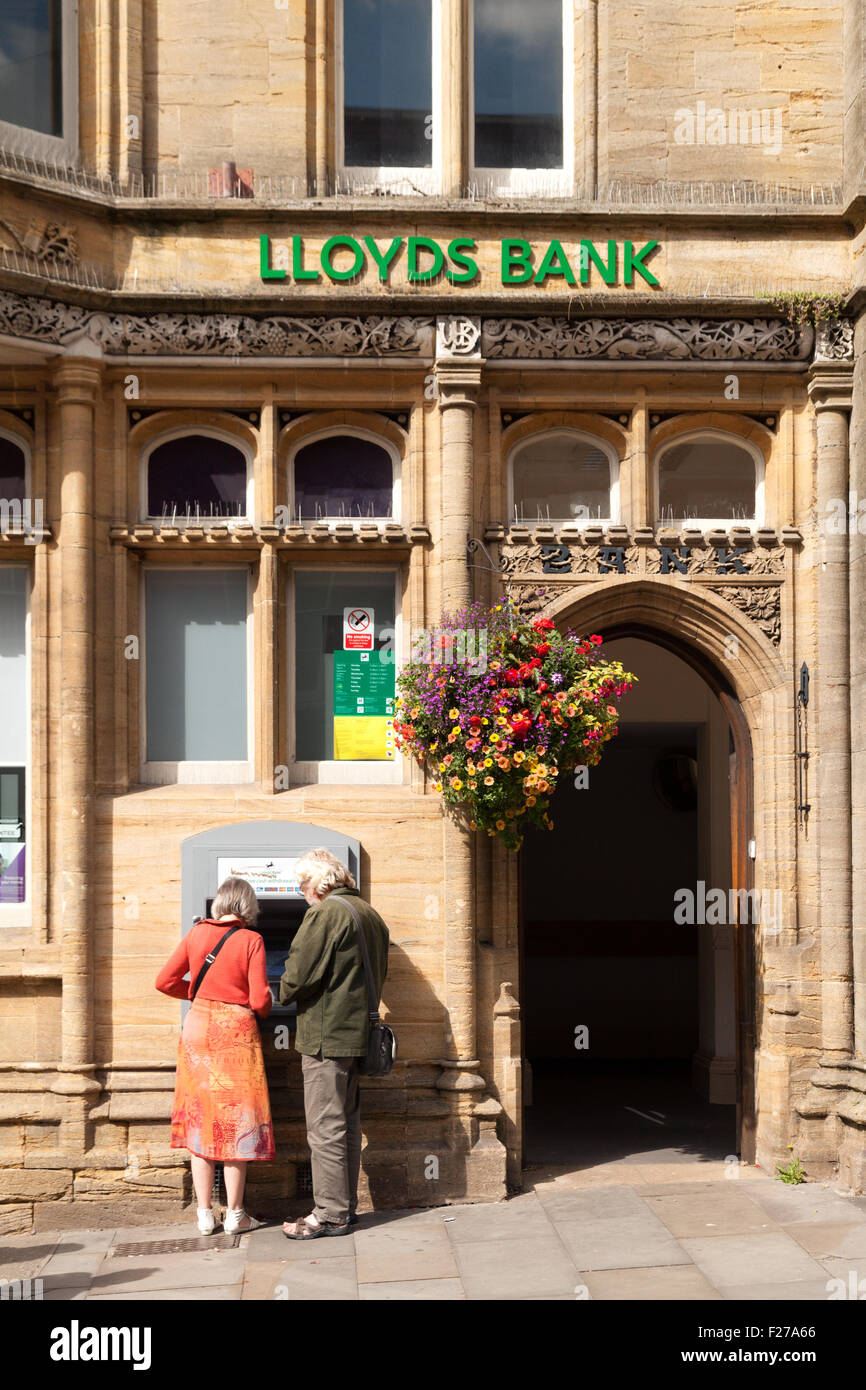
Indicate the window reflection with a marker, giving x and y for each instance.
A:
(30, 65)
(196, 478)
(12, 471)
(707, 479)
(388, 77)
(343, 476)
(561, 478)
(518, 84)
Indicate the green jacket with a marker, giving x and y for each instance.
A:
(324, 974)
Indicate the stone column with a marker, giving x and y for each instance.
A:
(830, 389)
(77, 384)
(453, 113)
(458, 376)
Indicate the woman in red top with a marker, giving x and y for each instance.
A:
(221, 1105)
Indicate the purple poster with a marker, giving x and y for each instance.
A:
(12, 878)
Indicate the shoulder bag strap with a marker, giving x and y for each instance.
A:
(368, 969)
(209, 960)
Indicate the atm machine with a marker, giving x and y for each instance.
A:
(265, 854)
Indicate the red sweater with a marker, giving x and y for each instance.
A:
(237, 976)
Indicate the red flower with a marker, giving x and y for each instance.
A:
(475, 719)
(542, 649)
(513, 677)
(542, 685)
(596, 640)
(543, 625)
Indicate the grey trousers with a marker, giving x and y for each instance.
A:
(332, 1102)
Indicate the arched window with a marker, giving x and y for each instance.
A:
(343, 476)
(563, 477)
(13, 470)
(196, 477)
(709, 477)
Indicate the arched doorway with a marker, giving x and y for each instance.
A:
(638, 1028)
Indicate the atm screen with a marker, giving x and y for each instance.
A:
(278, 925)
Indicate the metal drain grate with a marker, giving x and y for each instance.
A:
(177, 1247)
(304, 1180)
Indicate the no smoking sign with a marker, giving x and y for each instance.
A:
(358, 629)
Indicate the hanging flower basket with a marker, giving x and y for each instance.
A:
(499, 707)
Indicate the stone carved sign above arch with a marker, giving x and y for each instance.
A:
(748, 576)
(372, 335)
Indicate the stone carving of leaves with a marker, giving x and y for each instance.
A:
(762, 340)
(761, 604)
(766, 561)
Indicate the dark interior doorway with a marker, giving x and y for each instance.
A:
(629, 1016)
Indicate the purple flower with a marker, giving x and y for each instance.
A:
(556, 679)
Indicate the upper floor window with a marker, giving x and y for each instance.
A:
(344, 477)
(563, 477)
(387, 128)
(197, 478)
(710, 478)
(13, 470)
(522, 108)
(38, 76)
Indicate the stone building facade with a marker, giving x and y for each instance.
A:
(188, 254)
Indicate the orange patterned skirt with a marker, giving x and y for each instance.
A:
(222, 1109)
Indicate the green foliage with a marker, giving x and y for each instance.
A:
(793, 1173)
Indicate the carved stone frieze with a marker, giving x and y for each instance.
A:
(834, 341)
(45, 242)
(675, 339)
(762, 603)
(220, 335)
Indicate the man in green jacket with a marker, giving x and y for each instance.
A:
(325, 976)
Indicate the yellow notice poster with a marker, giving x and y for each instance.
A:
(359, 738)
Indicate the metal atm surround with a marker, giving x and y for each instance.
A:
(280, 916)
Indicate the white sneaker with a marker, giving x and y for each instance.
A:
(235, 1220)
(205, 1221)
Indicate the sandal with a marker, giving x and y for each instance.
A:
(304, 1231)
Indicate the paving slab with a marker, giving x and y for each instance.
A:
(522, 1216)
(143, 1273)
(772, 1257)
(850, 1269)
(800, 1291)
(390, 1255)
(273, 1245)
(307, 1281)
(261, 1280)
(808, 1202)
(564, 1205)
(621, 1242)
(218, 1294)
(824, 1239)
(710, 1212)
(656, 1283)
(413, 1290)
(516, 1268)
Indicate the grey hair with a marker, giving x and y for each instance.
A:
(322, 871)
(235, 897)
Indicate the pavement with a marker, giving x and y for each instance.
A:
(659, 1230)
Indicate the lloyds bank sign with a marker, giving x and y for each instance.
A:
(421, 260)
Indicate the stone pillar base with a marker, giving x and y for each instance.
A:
(715, 1078)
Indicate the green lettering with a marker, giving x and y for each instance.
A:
(383, 259)
(424, 243)
(516, 254)
(635, 262)
(265, 261)
(555, 263)
(589, 253)
(297, 262)
(346, 243)
(467, 267)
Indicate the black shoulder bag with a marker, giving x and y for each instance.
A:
(382, 1044)
(209, 960)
